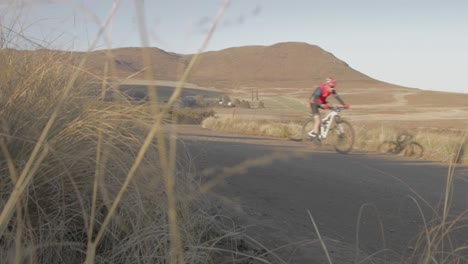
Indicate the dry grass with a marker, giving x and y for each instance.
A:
(251, 126)
(55, 204)
(440, 146)
(91, 181)
(438, 242)
(436, 145)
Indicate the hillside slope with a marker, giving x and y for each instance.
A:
(286, 65)
(281, 65)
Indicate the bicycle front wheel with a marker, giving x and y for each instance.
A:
(342, 136)
(413, 149)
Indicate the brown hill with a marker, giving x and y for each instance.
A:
(125, 62)
(287, 65)
(281, 65)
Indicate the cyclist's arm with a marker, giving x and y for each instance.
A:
(338, 98)
(315, 96)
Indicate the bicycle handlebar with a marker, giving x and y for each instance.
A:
(337, 108)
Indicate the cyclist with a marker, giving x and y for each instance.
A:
(319, 99)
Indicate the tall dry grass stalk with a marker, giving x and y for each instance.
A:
(442, 240)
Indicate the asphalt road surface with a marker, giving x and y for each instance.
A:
(365, 205)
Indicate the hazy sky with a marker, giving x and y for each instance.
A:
(414, 43)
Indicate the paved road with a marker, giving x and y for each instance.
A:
(269, 185)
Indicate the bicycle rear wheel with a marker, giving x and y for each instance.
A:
(389, 147)
(342, 136)
(413, 149)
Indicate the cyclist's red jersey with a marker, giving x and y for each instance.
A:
(320, 94)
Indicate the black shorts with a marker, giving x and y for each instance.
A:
(314, 108)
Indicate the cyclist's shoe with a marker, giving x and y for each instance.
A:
(312, 134)
(315, 138)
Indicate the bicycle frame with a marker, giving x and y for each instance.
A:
(342, 135)
(326, 123)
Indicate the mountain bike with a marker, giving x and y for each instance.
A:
(403, 144)
(333, 127)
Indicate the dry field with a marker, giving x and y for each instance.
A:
(437, 120)
(373, 106)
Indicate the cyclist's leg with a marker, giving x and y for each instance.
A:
(316, 115)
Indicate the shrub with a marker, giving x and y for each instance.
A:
(191, 115)
(244, 104)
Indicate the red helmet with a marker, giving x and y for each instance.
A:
(330, 81)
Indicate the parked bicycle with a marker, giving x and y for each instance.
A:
(403, 144)
(339, 131)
